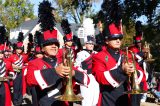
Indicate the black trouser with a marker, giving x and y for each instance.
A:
(2, 94)
(135, 99)
(34, 96)
(44, 100)
(17, 89)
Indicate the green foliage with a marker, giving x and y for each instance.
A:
(14, 12)
(74, 10)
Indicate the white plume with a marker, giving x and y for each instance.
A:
(88, 27)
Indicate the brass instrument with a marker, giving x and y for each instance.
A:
(4, 79)
(16, 68)
(135, 88)
(148, 53)
(68, 94)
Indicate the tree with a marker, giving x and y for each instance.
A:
(75, 10)
(14, 12)
(136, 8)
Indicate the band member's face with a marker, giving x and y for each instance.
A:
(114, 43)
(139, 44)
(1, 56)
(10, 53)
(69, 43)
(19, 51)
(100, 26)
(39, 55)
(6, 53)
(50, 50)
(89, 46)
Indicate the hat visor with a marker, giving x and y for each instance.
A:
(115, 36)
(19, 48)
(50, 42)
(138, 41)
(69, 40)
(38, 52)
(90, 42)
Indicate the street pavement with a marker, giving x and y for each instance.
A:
(27, 102)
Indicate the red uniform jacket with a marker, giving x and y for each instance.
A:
(18, 60)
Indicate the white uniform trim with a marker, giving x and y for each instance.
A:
(18, 60)
(12, 73)
(3, 70)
(81, 56)
(81, 70)
(85, 80)
(110, 79)
(138, 57)
(140, 77)
(40, 79)
(118, 64)
(53, 92)
(3, 74)
(145, 70)
(25, 72)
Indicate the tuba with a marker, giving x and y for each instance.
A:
(135, 88)
(68, 94)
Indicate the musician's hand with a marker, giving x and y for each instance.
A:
(62, 70)
(128, 68)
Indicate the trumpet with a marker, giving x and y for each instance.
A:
(135, 88)
(68, 95)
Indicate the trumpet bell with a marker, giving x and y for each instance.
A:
(135, 91)
(70, 98)
(69, 95)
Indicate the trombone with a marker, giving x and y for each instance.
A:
(68, 95)
(135, 88)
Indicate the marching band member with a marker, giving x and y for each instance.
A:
(46, 74)
(6, 67)
(139, 51)
(109, 68)
(37, 54)
(83, 62)
(68, 40)
(68, 43)
(6, 71)
(17, 60)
